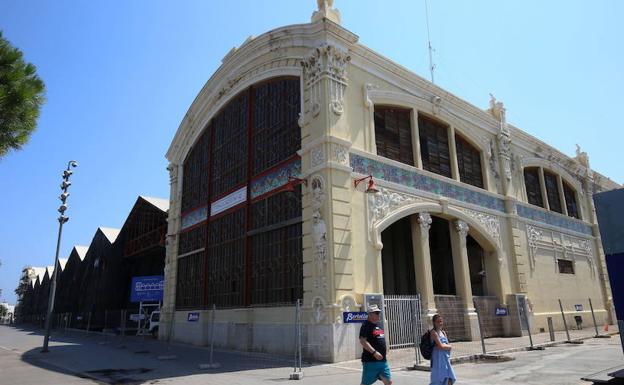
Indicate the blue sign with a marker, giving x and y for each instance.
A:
(192, 317)
(578, 307)
(349, 317)
(501, 311)
(146, 289)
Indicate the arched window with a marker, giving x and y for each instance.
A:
(570, 199)
(532, 184)
(561, 197)
(233, 258)
(195, 174)
(468, 162)
(552, 191)
(434, 146)
(393, 134)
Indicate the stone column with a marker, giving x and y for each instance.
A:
(171, 254)
(459, 231)
(421, 223)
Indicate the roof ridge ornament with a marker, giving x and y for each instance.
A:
(326, 10)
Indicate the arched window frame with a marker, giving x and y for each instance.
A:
(419, 106)
(562, 176)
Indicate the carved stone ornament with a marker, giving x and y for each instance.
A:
(498, 111)
(318, 156)
(425, 221)
(533, 235)
(489, 222)
(340, 154)
(367, 88)
(318, 309)
(493, 160)
(319, 232)
(385, 202)
(325, 62)
(462, 228)
(346, 303)
(586, 247)
(173, 173)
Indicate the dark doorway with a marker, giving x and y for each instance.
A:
(441, 257)
(477, 267)
(397, 259)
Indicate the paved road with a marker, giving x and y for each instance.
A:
(133, 360)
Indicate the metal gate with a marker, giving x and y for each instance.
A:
(403, 321)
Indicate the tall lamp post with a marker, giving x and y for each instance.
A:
(62, 219)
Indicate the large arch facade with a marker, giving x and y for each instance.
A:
(341, 81)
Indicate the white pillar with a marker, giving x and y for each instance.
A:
(421, 223)
(461, 269)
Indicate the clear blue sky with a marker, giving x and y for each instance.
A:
(120, 76)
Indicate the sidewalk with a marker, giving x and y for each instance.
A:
(134, 360)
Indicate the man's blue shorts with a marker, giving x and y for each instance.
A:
(372, 371)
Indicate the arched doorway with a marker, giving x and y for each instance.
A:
(397, 259)
(441, 257)
(476, 263)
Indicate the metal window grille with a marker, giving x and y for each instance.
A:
(552, 191)
(393, 134)
(532, 185)
(195, 173)
(469, 162)
(190, 281)
(276, 133)
(434, 146)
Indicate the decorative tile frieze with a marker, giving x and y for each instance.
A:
(194, 217)
(415, 179)
(275, 179)
(548, 218)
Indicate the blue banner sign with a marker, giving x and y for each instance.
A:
(146, 289)
(578, 307)
(354, 316)
(501, 311)
(192, 317)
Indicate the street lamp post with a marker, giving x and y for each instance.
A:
(62, 219)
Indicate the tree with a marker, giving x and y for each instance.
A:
(3, 310)
(21, 97)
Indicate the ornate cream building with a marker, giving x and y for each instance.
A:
(468, 205)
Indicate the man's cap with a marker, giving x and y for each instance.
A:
(373, 309)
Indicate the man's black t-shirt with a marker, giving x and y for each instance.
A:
(375, 336)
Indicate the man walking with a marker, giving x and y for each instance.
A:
(373, 341)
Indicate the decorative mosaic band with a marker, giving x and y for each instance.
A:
(552, 219)
(194, 217)
(275, 179)
(414, 179)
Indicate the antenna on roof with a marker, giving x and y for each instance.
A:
(431, 65)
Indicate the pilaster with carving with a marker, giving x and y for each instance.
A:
(170, 271)
(326, 62)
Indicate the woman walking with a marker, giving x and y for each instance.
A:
(441, 370)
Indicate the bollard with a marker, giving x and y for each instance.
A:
(474, 302)
(551, 330)
(297, 373)
(416, 304)
(211, 364)
(565, 324)
(598, 335)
